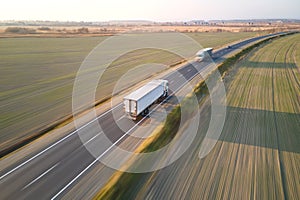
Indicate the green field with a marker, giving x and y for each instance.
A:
(37, 76)
(219, 39)
(258, 153)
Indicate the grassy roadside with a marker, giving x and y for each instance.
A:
(120, 183)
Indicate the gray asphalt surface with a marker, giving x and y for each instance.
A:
(53, 171)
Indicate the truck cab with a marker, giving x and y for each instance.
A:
(166, 87)
(203, 54)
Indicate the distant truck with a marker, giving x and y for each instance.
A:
(204, 54)
(139, 101)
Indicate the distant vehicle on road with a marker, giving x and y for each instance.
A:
(139, 101)
(204, 54)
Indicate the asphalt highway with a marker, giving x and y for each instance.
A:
(50, 173)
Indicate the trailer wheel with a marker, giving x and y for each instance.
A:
(145, 112)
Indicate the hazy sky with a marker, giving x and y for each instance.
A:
(156, 10)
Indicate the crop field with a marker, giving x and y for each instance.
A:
(219, 39)
(37, 77)
(258, 153)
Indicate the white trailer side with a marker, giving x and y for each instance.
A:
(139, 101)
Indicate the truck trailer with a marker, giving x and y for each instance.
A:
(139, 101)
(204, 54)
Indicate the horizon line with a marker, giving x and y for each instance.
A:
(145, 20)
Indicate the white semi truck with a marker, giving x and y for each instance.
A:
(203, 54)
(139, 101)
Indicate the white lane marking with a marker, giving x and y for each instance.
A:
(92, 138)
(43, 174)
(56, 143)
(90, 165)
(171, 82)
(40, 176)
(74, 179)
(120, 118)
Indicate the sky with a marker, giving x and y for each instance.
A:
(153, 10)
